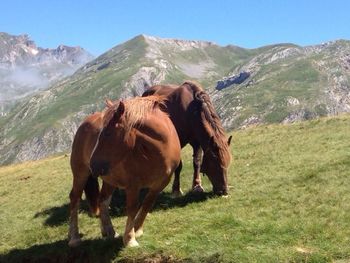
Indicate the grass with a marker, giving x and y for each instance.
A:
(289, 202)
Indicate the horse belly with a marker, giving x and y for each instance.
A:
(119, 177)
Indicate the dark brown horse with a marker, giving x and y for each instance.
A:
(197, 123)
(136, 148)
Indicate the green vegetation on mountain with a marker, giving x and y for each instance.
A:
(289, 202)
(286, 83)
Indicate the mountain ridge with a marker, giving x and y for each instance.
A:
(26, 68)
(286, 83)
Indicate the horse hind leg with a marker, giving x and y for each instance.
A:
(107, 229)
(197, 161)
(79, 181)
(176, 190)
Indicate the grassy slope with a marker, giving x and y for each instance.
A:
(289, 202)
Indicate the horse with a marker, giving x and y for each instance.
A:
(137, 147)
(198, 124)
(83, 144)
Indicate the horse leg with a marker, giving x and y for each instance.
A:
(92, 193)
(143, 211)
(132, 197)
(107, 229)
(197, 161)
(79, 181)
(176, 190)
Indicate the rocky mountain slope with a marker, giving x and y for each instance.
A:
(25, 68)
(287, 83)
(278, 83)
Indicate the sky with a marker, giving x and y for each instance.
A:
(100, 25)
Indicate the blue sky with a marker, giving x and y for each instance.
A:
(99, 25)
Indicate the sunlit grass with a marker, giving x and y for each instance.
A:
(289, 202)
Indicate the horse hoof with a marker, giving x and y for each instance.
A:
(109, 232)
(132, 243)
(176, 194)
(94, 213)
(139, 233)
(198, 189)
(74, 242)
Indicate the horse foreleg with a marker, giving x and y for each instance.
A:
(143, 211)
(132, 196)
(176, 190)
(75, 196)
(107, 229)
(197, 161)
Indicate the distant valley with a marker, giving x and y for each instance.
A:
(26, 68)
(280, 83)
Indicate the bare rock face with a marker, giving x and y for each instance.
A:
(231, 80)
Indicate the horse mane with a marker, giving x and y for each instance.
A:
(193, 85)
(136, 109)
(210, 116)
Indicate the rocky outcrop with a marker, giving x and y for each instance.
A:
(231, 80)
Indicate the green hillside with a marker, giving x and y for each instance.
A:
(286, 83)
(289, 202)
(45, 123)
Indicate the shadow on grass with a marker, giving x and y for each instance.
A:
(98, 250)
(59, 215)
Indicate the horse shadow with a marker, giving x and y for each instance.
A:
(95, 250)
(98, 250)
(59, 215)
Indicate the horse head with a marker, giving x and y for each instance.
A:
(108, 148)
(215, 165)
(217, 156)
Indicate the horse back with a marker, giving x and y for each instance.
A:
(158, 141)
(162, 90)
(179, 106)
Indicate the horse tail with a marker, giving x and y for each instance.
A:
(92, 194)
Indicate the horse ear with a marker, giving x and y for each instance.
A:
(119, 112)
(108, 103)
(229, 140)
(121, 109)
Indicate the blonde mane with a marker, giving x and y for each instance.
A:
(136, 110)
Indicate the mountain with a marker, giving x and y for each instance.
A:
(25, 68)
(277, 83)
(286, 83)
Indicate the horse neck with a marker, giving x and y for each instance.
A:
(204, 133)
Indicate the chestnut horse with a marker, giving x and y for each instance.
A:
(83, 144)
(197, 123)
(136, 148)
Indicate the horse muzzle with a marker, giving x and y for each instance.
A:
(99, 168)
(222, 191)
